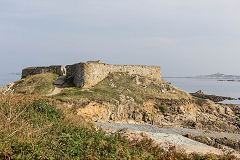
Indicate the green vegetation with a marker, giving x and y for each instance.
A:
(31, 127)
(36, 84)
(162, 108)
(200, 101)
(116, 84)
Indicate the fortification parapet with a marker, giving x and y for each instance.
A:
(57, 69)
(92, 72)
(89, 74)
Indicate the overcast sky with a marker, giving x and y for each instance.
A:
(184, 37)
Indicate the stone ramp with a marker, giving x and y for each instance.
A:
(59, 85)
(60, 81)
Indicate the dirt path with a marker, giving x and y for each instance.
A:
(55, 91)
(58, 85)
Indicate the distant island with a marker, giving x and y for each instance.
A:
(218, 76)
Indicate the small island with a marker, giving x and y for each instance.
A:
(60, 111)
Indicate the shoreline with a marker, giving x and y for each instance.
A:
(217, 99)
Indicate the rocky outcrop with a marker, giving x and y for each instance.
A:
(182, 113)
(218, 142)
(214, 98)
(8, 89)
(153, 102)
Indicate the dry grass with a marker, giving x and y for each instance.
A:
(116, 84)
(31, 127)
(36, 84)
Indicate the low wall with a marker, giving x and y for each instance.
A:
(89, 74)
(57, 69)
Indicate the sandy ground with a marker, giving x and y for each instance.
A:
(55, 91)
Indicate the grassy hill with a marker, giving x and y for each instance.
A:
(36, 84)
(34, 126)
(116, 84)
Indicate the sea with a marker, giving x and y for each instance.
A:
(8, 77)
(209, 86)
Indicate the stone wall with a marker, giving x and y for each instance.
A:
(89, 74)
(58, 69)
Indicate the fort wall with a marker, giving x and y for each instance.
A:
(57, 69)
(89, 74)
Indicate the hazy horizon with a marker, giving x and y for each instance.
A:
(185, 38)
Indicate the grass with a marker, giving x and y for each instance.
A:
(162, 108)
(116, 84)
(200, 101)
(36, 84)
(31, 127)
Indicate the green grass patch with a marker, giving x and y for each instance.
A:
(200, 101)
(116, 84)
(162, 108)
(36, 84)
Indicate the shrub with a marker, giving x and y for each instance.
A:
(162, 108)
(200, 101)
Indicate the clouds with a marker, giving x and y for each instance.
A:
(178, 35)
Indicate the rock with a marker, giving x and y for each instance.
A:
(7, 89)
(214, 98)
(112, 116)
(112, 85)
(200, 92)
(137, 116)
(181, 110)
(228, 111)
(221, 110)
(137, 80)
(189, 135)
(60, 80)
(145, 135)
(122, 98)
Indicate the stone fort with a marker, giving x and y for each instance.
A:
(87, 74)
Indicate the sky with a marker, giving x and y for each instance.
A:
(184, 37)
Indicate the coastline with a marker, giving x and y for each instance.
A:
(6, 78)
(221, 89)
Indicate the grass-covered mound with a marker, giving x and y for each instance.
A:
(116, 84)
(31, 127)
(36, 84)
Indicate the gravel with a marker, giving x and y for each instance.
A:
(173, 136)
(172, 130)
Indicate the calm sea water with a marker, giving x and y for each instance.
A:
(7, 78)
(208, 86)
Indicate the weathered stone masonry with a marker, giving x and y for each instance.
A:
(58, 69)
(90, 73)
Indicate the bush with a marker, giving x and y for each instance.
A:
(162, 108)
(200, 101)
